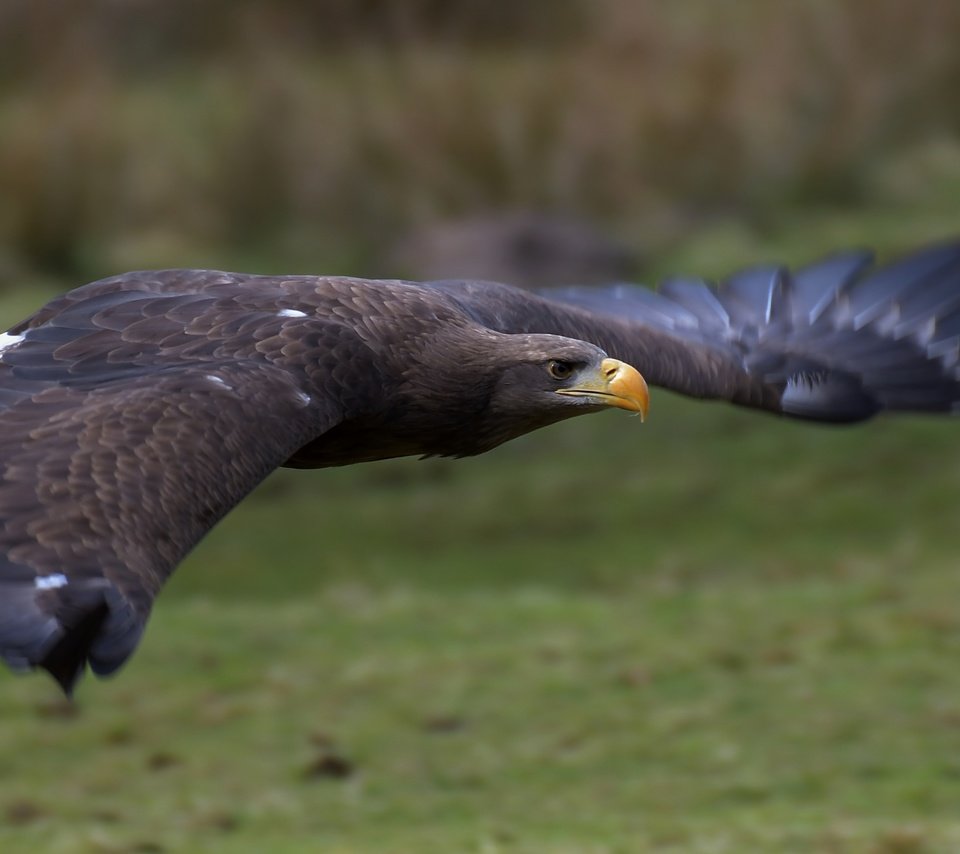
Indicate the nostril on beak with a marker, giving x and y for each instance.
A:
(610, 368)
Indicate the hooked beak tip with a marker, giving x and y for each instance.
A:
(627, 386)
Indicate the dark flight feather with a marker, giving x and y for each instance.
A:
(137, 410)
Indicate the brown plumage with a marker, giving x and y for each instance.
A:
(136, 411)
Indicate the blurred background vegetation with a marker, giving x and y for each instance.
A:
(313, 135)
(719, 632)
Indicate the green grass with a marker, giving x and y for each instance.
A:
(596, 639)
(714, 632)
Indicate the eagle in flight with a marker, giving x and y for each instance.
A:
(136, 411)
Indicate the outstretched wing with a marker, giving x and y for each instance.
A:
(120, 447)
(839, 340)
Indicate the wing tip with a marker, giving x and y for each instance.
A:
(66, 659)
(63, 631)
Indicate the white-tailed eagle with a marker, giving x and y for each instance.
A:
(136, 411)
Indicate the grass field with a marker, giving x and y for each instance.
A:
(714, 632)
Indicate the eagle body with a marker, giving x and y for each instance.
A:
(138, 410)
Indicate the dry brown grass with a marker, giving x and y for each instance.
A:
(320, 130)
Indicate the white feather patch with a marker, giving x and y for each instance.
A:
(220, 382)
(50, 582)
(7, 341)
(291, 312)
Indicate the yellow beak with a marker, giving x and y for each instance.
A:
(616, 384)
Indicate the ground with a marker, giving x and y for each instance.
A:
(716, 631)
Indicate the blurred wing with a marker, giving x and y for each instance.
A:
(838, 340)
(114, 462)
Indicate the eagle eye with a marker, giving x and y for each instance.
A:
(560, 370)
